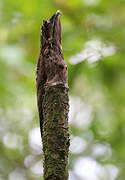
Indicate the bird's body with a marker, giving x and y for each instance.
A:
(51, 67)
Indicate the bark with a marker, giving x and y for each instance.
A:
(53, 102)
(55, 133)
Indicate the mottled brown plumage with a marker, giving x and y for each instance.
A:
(51, 67)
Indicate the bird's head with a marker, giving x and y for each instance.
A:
(51, 30)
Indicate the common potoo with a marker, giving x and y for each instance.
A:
(51, 67)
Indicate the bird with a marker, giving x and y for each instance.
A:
(51, 68)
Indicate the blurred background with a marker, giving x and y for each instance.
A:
(93, 41)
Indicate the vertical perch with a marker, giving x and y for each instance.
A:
(55, 133)
(52, 100)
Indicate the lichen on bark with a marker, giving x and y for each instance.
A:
(55, 133)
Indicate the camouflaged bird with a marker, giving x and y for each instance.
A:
(51, 67)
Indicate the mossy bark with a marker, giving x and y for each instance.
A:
(55, 132)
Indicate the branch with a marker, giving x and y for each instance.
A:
(53, 102)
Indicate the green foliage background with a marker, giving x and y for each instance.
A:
(101, 84)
